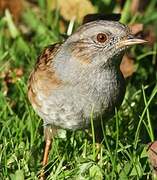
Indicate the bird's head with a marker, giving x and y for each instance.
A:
(100, 42)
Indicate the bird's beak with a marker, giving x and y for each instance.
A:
(129, 41)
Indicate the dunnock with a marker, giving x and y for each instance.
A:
(80, 76)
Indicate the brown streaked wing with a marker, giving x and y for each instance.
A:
(43, 78)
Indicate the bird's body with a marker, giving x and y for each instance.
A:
(66, 90)
(69, 104)
(81, 76)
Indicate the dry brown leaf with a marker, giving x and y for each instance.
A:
(19, 72)
(136, 28)
(150, 35)
(127, 66)
(73, 8)
(9, 78)
(152, 155)
(15, 7)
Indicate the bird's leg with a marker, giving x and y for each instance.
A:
(46, 152)
(49, 133)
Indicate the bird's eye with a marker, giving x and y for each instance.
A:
(101, 37)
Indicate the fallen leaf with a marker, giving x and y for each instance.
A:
(150, 35)
(15, 7)
(73, 8)
(136, 28)
(10, 76)
(19, 72)
(127, 66)
(152, 155)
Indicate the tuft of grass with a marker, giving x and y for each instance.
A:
(123, 153)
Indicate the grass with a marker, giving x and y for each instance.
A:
(123, 154)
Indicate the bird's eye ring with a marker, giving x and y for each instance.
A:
(101, 37)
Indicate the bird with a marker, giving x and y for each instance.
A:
(79, 76)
